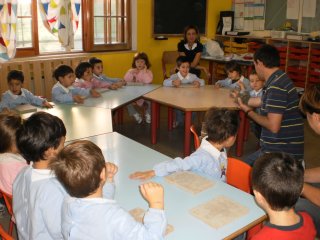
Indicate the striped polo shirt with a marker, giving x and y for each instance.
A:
(280, 96)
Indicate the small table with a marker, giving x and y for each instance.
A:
(80, 121)
(213, 61)
(192, 100)
(131, 156)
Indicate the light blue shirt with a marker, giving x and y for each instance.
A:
(104, 78)
(104, 219)
(61, 94)
(227, 83)
(11, 100)
(206, 159)
(189, 79)
(37, 203)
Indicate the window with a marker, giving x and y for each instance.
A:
(103, 25)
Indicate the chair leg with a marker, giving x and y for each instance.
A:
(11, 227)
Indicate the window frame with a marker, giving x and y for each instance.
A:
(87, 32)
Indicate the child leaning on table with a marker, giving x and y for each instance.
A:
(235, 77)
(85, 78)
(37, 195)
(277, 182)
(97, 70)
(11, 162)
(211, 157)
(139, 74)
(17, 95)
(91, 211)
(64, 92)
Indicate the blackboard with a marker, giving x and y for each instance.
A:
(170, 17)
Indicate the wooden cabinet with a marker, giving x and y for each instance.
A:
(300, 59)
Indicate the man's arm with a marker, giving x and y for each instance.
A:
(312, 175)
(311, 193)
(254, 102)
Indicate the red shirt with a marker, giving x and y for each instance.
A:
(304, 229)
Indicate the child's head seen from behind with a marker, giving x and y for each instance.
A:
(140, 61)
(278, 179)
(183, 65)
(15, 81)
(97, 65)
(79, 167)
(65, 75)
(84, 71)
(221, 126)
(40, 137)
(9, 124)
(255, 83)
(233, 70)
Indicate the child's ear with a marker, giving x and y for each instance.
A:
(103, 174)
(259, 198)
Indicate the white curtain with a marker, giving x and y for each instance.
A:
(8, 21)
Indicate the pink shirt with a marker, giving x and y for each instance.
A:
(94, 83)
(134, 75)
(10, 166)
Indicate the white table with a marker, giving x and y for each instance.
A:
(131, 156)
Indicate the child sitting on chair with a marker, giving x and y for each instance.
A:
(91, 211)
(11, 162)
(16, 95)
(277, 182)
(64, 92)
(97, 69)
(37, 195)
(235, 78)
(137, 75)
(211, 157)
(85, 78)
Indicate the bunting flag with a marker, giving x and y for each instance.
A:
(8, 21)
(61, 18)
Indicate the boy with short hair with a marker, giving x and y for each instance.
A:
(64, 92)
(235, 78)
(97, 69)
(90, 212)
(211, 157)
(16, 95)
(37, 195)
(183, 76)
(277, 182)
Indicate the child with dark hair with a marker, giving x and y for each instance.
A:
(63, 92)
(11, 162)
(97, 70)
(211, 157)
(17, 95)
(85, 78)
(235, 78)
(137, 75)
(37, 195)
(277, 182)
(91, 211)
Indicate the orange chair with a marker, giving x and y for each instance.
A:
(169, 61)
(8, 200)
(196, 139)
(4, 235)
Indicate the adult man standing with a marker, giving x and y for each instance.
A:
(280, 118)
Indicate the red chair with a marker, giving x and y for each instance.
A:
(4, 235)
(196, 139)
(8, 200)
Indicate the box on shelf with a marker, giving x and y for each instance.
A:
(278, 34)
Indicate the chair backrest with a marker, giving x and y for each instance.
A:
(168, 60)
(4, 235)
(196, 138)
(238, 174)
(8, 200)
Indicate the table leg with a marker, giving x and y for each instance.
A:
(187, 132)
(241, 133)
(211, 72)
(158, 116)
(120, 116)
(170, 118)
(247, 129)
(153, 122)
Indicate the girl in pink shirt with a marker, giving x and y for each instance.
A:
(139, 74)
(85, 77)
(11, 162)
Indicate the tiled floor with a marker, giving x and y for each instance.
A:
(171, 142)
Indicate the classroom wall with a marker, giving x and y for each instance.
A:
(116, 64)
